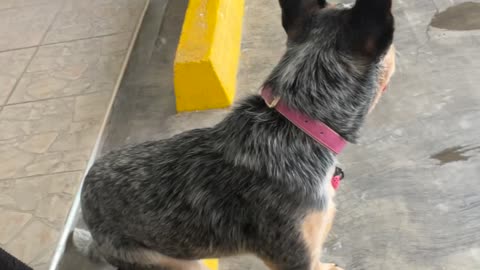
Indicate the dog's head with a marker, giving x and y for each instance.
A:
(338, 60)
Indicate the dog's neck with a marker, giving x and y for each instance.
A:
(260, 139)
(331, 90)
(317, 130)
(326, 86)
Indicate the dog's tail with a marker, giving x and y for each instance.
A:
(83, 242)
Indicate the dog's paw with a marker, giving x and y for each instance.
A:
(329, 266)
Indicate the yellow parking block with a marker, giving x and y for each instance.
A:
(208, 55)
(212, 264)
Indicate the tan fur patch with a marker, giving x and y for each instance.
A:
(270, 265)
(388, 71)
(315, 228)
(312, 232)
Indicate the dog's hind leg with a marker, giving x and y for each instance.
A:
(315, 229)
(292, 253)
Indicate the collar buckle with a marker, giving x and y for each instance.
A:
(274, 103)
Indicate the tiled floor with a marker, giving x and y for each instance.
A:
(59, 64)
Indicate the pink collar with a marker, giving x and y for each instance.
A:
(314, 128)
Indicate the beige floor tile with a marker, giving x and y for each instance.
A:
(27, 194)
(73, 68)
(54, 209)
(90, 106)
(42, 262)
(13, 223)
(17, 163)
(25, 26)
(92, 18)
(4, 4)
(50, 136)
(13, 161)
(16, 61)
(43, 266)
(26, 245)
(38, 143)
(36, 118)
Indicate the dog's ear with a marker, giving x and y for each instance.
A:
(371, 27)
(296, 12)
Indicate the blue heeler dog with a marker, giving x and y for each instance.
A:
(254, 183)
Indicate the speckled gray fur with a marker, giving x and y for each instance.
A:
(245, 184)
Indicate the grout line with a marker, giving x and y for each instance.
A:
(38, 175)
(39, 257)
(14, 236)
(85, 38)
(20, 77)
(29, 5)
(72, 215)
(18, 49)
(34, 53)
(54, 98)
(66, 41)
